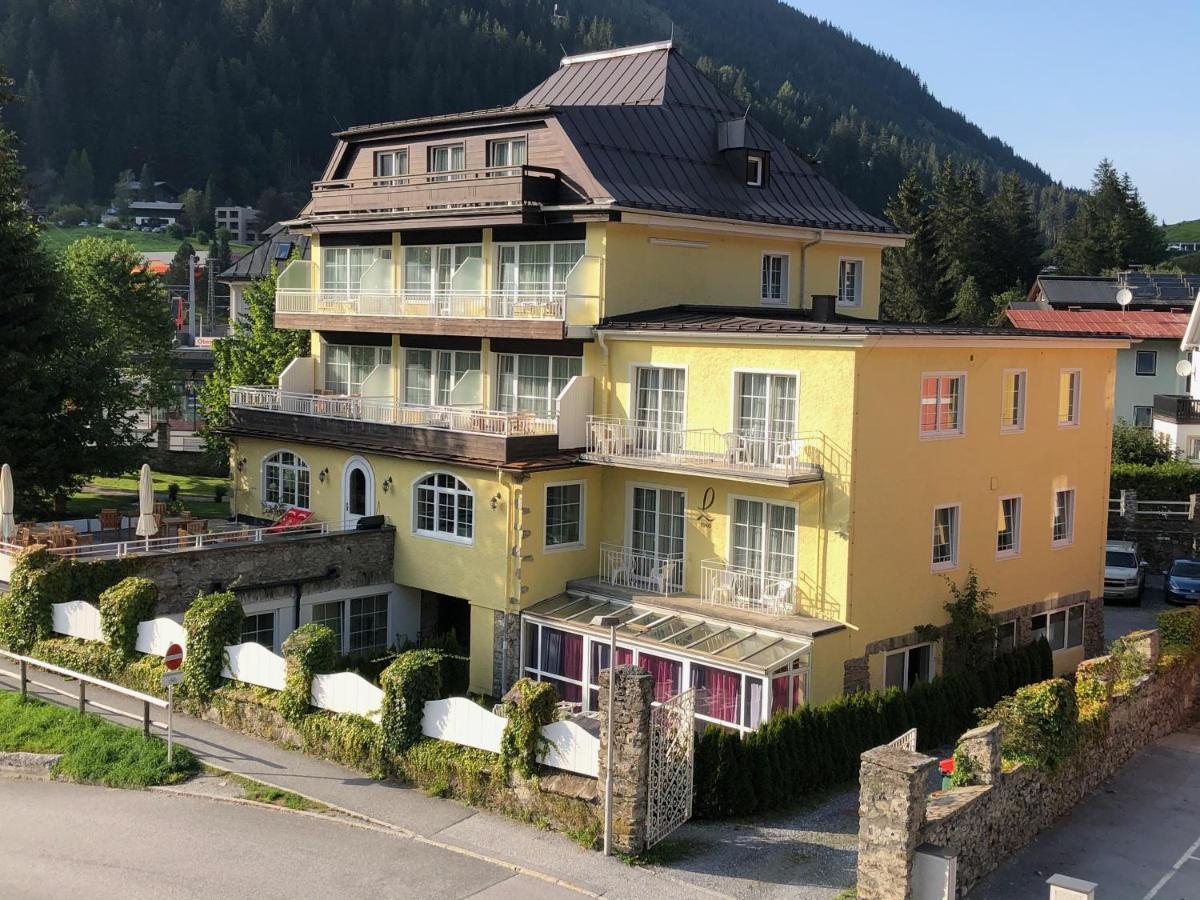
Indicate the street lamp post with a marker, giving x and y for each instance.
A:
(611, 623)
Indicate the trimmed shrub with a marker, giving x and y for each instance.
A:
(799, 755)
(535, 706)
(1180, 630)
(309, 650)
(1040, 722)
(412, 679)
(122, 607)
(1174, 480)
(212, 622)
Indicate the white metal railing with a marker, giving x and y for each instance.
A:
(741, 588)
(178, 543)
(1164, 509)
(522, 304)
(644, 570)
(389, 411)
(611, 439)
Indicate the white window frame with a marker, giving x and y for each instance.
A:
(445, 174)
(1193, 447)
(299, 466)
(943, 433)
(519, 290)
(458, 493)
(860, 267)
(950, 563)
(1137, 363)
(512, 402)
(1015, 550)
(436, 357)
(1022, 382)
(630, 489)
(383, 357)
(1072, 420)
(341, 636)
(1069, 538)
(435, 251)
(274, 614)
(764, 528)
(756, 165)
(1065, 612)
(510, 167)
(396, 176)
(574, 545)
(904, 678)
(349, 615)
(785, 264)
(351, 287)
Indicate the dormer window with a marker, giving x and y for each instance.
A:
(756, 169)
(390, 163)
(507, 152)
(447, 158)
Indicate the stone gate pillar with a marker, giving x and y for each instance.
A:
(893, 784)
(630, 753)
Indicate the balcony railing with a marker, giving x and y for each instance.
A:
(752, 589)
(732, 453)
(534, 305)
(389, 411)
(643, 570)
(1179, 408)
(446, 193)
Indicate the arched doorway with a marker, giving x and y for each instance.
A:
(358, 491)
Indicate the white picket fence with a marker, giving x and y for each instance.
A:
(460, 721)
(343, 692)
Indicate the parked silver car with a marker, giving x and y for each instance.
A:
(1124, 572)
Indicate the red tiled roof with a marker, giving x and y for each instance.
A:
(1136, 323)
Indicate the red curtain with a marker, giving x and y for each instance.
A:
(781, 687)
(666, 674)
(723, 691)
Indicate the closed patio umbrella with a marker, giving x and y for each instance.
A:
(147, 526)
(7, 526)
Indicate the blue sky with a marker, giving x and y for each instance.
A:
(1063, 82)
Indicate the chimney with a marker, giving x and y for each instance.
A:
(824, 307)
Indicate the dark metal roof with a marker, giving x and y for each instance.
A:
(1149, 290)
(257, 261)
(474, 115)
(740, 320)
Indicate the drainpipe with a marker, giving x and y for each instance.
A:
(604, 372)
(804, 263)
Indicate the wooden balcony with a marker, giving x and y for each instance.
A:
(1178, 408)
(509, 189)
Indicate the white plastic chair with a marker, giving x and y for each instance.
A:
(789, 455)
(622, 570)
(778, 596)
(736, 448)
(662, 579)
(725, 589)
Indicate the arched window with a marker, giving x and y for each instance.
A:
(444, 508)
(285, 480)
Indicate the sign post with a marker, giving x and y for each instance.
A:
(172, 660)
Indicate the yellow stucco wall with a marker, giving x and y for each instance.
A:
(723, 269)
(899, 479)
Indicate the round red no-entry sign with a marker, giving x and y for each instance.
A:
(174, 658)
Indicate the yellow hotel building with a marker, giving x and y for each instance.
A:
(614, 350)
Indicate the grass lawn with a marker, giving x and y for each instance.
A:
(88, 506)
(94, 750)
(199, 485)
(258, 792)
(57, 239)
(196, 492)
(1188, 230)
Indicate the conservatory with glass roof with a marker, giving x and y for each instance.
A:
(743, 674)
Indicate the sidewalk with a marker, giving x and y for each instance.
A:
(443, 822)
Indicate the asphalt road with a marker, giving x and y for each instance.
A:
(1120, 618)
(1137, 837)
(69, 840)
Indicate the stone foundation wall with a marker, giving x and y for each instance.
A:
(985, 824)
(360, 558)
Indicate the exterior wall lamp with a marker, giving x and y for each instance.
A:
(241, 464)
(387, 484)
(324, 474)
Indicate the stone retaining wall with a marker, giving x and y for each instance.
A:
(985, 824)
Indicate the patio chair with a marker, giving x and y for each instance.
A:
(196, 526)
(724, 591)
(662, 579)
(789, 455)
(605, 438)
(736, 448)
(622, 571)
(778, 595)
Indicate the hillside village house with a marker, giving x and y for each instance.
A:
(613, 349)
(1177, 415)
(1156, 317)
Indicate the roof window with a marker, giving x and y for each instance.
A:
(756, 169)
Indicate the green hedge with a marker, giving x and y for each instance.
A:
(1175, 480)
(1180, 630)
(309, 650)
(40, 579)
(535, 705)
(122, 606)
(212, 622)
(412, 679)
(1040, 722)
(797, 756)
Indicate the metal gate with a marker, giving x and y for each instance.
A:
(672, 755)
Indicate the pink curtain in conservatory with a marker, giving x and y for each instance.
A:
(722, 691)
(667, 674)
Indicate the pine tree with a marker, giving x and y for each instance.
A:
(914, 276)
(1016, 246)
(146, 183)
(1112, 229)
(970, 305)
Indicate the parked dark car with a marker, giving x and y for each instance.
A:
(1182, 584)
